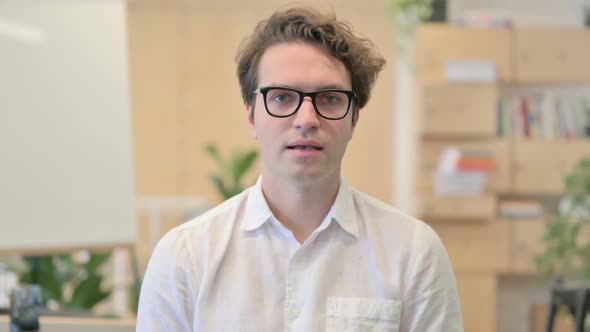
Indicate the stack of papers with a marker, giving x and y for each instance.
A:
(521, 209)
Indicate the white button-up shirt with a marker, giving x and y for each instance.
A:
(367, 267)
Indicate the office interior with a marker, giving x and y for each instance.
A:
(479, 125)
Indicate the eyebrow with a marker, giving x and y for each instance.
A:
(320, 88)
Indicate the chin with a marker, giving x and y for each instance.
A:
(308, 174)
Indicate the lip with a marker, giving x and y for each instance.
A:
(306, 142)
(305, 153)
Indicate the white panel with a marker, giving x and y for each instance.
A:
(524, 12)
(66, 172)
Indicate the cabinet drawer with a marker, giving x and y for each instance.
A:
(477, 246)
(438, 43)
(540, 166)
(552, 55)
(458, 209)
(526, 244)
(498, 180)
(459, 110)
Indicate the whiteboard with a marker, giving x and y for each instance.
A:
(66, 170)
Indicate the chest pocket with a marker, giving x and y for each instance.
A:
(362, 314)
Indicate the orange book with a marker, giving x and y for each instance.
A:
(473, 164)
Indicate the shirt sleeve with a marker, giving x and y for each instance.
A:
(431, 303)
(167, 292)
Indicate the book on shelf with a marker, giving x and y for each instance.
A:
(475, 164)
(544, 116)
(463, 172)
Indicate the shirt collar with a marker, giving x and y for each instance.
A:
(257, 210)
(342, 211)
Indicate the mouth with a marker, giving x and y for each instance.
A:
(305, 147)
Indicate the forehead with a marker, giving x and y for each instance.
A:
(303, 66)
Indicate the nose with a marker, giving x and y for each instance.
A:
(306, 117)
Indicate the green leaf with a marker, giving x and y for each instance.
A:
(134, 291)
(227, 181)
(233, 169)
(50, 281)
(96, 261)
(214, 152)
(88, 293)
(66, 268)
(584, 164)
(42, 271)
(245, 163)
(220, 186)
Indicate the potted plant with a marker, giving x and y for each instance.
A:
(69, 283)
(566, 238)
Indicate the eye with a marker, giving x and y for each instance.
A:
(330, 98)
(281, 98)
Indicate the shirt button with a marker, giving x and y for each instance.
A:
(331, 308)
(294, 312)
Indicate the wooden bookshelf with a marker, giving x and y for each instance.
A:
(482, 245)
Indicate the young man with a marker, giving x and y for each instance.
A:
(301, 250)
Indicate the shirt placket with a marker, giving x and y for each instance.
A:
(293, 302)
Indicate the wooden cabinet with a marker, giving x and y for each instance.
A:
(465, 115)
(552, 55)
(498, 179)
(540, 166)
(526, 244)
(436, 44)
(477, 246)
(525, 55)
(458, 209)
(459, 110)
(478, 301)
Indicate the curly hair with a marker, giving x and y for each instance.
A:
(309, 25)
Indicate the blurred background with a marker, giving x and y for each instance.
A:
(122, 119)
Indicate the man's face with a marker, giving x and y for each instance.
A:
(304, 146)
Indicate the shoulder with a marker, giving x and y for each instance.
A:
(384, 213)
(183, 239)
(390, 221)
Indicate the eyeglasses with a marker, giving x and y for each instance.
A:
(332, 104)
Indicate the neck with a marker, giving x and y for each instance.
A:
(300, 206)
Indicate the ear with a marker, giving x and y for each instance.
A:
(355, 117)
(250, 110)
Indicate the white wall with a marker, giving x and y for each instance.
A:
(66, 171)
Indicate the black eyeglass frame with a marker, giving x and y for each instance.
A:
(351, 95)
